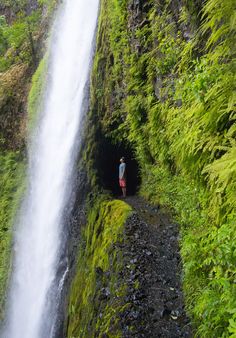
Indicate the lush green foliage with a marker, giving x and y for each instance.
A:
(98, 266)
(21, 33)
(208, 251)
(17, 43)
(164, 77)
(11, 174)
(35, 98)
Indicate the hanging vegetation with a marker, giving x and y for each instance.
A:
(164, 77)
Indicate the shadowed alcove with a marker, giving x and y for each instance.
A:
(108, 158)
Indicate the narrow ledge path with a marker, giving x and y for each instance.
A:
(153, 273)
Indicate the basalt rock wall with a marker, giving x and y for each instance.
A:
(163, 86)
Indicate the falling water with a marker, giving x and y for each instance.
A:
(38, 239)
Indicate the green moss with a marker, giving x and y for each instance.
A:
(11, 177)
(22, 28)
(36, 94)
(99, 263)
(164, 79)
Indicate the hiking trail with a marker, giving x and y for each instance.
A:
(153, 272)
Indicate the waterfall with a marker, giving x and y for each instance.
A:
(38, 240)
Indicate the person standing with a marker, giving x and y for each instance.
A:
(122, 176)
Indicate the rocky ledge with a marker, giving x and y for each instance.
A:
(153, 275)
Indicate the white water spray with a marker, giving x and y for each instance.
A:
(39, 232)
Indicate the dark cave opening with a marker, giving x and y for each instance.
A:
(108, 163)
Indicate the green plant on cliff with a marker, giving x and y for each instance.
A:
(20, 35)
(11, 175)
(18, 41)
(98, 267)
(164, 77)
(36, 94)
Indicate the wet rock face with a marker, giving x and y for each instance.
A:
(75, 219)
(12, 8)
(137, 18)
(13, 99)
(153, 274)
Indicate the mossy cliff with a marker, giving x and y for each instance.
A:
(97, 293)
(164, 82)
